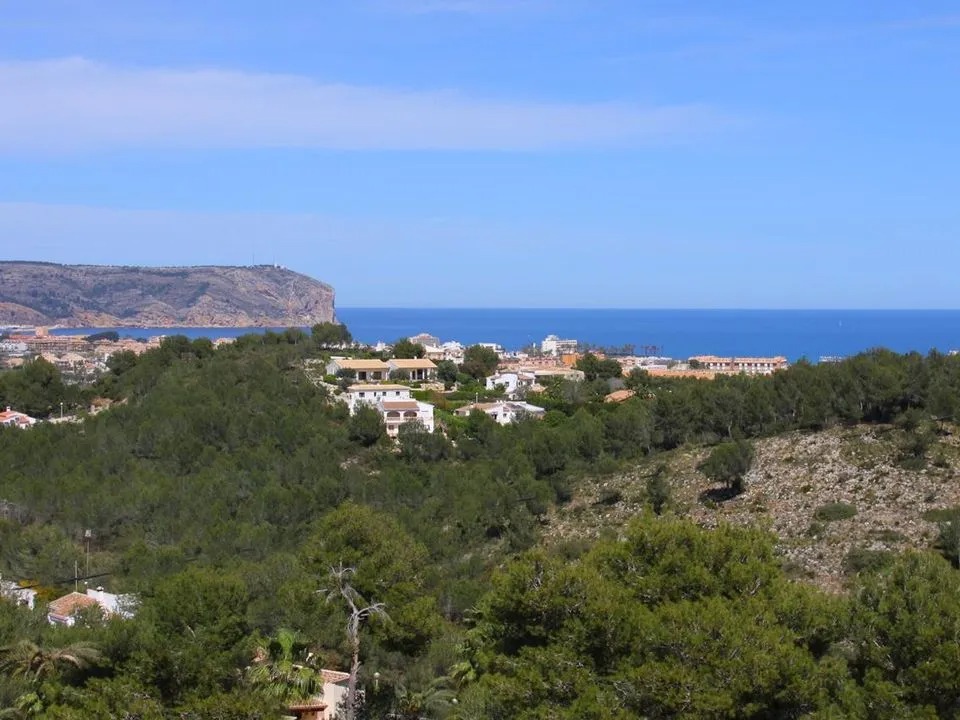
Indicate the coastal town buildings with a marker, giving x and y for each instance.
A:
(735, 365)
(505, 413)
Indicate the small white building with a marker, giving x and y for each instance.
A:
(553, 345)
(504, 413)
(395, 404)
(12, 418)
(18, 595)
(417, 369)
(364, 370)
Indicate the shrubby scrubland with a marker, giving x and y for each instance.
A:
(222, 485)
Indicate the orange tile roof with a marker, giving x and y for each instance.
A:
(413, 364)
(619, 396)
(399, 405)
(358, 364)
(68, 605)
(334, 676)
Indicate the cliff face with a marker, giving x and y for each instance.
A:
(204, 296)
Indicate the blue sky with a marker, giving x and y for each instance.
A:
(496, 153)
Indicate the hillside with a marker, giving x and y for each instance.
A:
(794, 475)
(203, 296)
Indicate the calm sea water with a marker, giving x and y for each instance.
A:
(679, 333)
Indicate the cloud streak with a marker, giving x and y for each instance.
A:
(76, 105)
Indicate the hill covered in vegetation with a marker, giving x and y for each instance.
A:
(203, 296)
(223, 485)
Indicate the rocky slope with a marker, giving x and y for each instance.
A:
(204, 296)
(795, 476)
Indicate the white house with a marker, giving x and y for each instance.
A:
(553, 345)
(513, 383)
(418, 369)
(364, 370)
(394, 403)
(453, 350)
(504, 413)
(16, 594)
(12, 418)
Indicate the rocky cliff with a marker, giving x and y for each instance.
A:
(205, 296)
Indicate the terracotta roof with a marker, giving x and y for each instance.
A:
(334, 676)
(356, 364)
(413, 364)
(619, 396)
(399, 405)
(68, 605)
(307, 706)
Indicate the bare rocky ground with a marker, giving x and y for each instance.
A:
(793, 476)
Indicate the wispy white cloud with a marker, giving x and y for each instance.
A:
(76, 105)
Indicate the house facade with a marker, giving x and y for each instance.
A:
(394, 403)
(416, 369)
(748, 365)
(553, 345)
(18, 595)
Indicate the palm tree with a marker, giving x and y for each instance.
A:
(285, 669)
(429, 703)
(28, 661)
(33, 664)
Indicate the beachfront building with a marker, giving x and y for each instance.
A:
(504, 413)
(553, 345)
(364, 370)
(417, 369)
(734, 365)
(394, 403)
(12, 418)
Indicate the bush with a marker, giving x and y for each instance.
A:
(835, 511)
(860, 560)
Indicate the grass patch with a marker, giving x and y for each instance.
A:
(831, 512)
(938, 515)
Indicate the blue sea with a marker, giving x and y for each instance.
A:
(674, 333)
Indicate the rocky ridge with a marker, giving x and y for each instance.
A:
(33, 293)
(794, 476)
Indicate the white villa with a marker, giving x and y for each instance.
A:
(513, 383)
(417, 369)
(394, 403)
(366, 370)
(504, 413)
(63, 610)
(12, 418)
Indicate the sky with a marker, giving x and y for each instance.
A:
(496, 153)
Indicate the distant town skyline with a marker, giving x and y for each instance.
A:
(495, 153)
